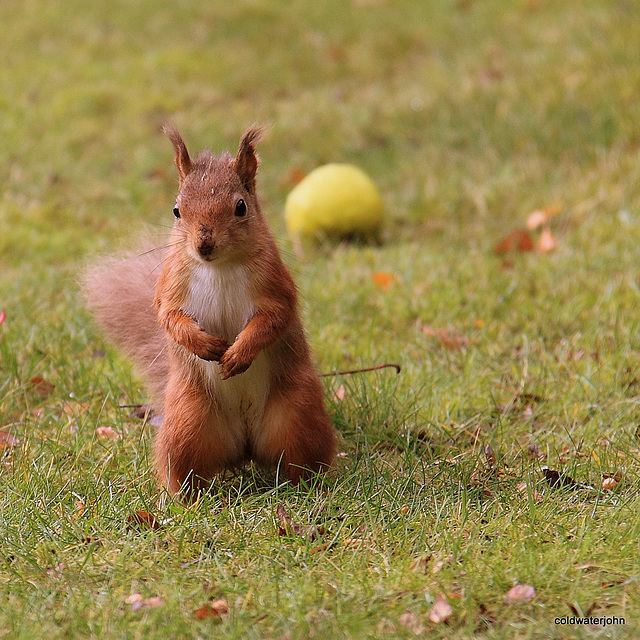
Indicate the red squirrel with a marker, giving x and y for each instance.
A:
(218, 332)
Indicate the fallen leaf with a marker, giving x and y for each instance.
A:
(609, 484)
(137, 602)
(204, 612)
(107, 433)
(546, 242)
(516, 240)
(420, 563)
(557, 479)
(440, 564)
(3, 316)
(56, 571)
(520, 593)
(42, 387)
(143, 520)
(213, 609)
(7, 440)
(409, 621)
(288, 527)
(382, 279)
(490, 456)
(441, 610)
(80, 510)
(522, 488)
(536, 219)
(354, 543)
(552, 210)
(290, 178)
(449, 338)
(535, 453)
(338, 393)
(154, 601)
(140, 411)
(220, 606)
(296, 174)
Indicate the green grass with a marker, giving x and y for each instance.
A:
(468, 115)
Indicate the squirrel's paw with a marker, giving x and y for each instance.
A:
(210, 347)
(232, 363)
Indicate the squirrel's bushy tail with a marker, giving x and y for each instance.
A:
(119, 291)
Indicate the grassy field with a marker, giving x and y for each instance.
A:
(469, 116)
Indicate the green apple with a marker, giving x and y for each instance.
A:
(335, 201)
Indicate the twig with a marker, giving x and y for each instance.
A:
(397, 367)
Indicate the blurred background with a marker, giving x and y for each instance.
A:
(467, 114)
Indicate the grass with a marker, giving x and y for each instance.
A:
(469, 115)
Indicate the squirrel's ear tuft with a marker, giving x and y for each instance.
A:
(182, 159)
(246, 162)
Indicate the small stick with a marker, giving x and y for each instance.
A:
(397, 367)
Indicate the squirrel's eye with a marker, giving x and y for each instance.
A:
(241, 208)
(176, 211)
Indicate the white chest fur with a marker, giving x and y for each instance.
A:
(219, 301)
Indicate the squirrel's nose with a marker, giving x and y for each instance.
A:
(206, 247)
(206, 244)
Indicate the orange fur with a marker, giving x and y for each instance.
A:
(235, 372)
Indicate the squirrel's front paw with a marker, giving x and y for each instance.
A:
(232, 363)
(210, 347)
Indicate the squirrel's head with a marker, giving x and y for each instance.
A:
(217, 213)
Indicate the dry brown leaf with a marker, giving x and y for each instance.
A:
(56, 571)
(291, 178)
(535, 453)
(339, 393)
(440, 564)
(610, 484)
(382, 279)
(354, 543)
(288, 527)
(107, 433)
(204, 612)
(137, 602)
(546, 242)
(421, 563)
(490, 456)
(140, 411)
(409, 621)
(441, 610)
(143, 520)
(536, 219)
(42, 387)
(7, 440)
(520, 593)
(522, 488)
(516, 240)
(552, 209)
(449, 338)
(296, 174)
(214, 609)
(80, 510)
(220, 606)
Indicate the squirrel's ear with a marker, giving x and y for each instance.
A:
(182, 159)
(246, 162)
